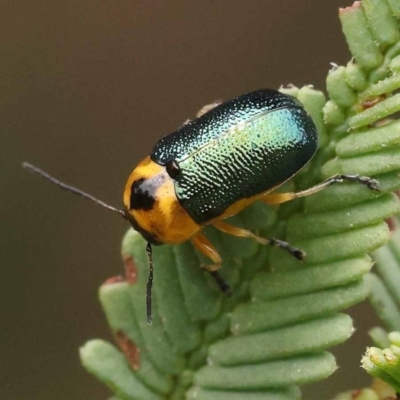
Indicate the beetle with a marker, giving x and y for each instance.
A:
(213, 167)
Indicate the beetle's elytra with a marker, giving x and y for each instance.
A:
(211, 168)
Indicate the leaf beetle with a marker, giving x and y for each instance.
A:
(211, 168)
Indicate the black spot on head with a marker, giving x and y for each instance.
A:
(172, 169)
(142, 197)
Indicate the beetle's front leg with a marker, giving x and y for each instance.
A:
(279, 198)
(239, 232)
(207, 248)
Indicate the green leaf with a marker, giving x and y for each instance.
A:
(299, 370)
(358, 36)
(380, 337)
(260, 316)
(363, 394)
(384, 364)
(371, 115)
(384, 305)
(111, 367)
(302, 338)
(290, 393)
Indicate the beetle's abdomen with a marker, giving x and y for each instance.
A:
(251, 154)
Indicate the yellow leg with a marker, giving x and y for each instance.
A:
(207, 248)
(207, 108)
(203, 110)
(239, 232)
(279, 198)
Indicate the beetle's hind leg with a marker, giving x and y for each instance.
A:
(207, 248)
(208, 107)
(279, 198)
(239, 232)
(203, 110)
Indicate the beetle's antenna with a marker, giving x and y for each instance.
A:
(149, 251)
(69, 188)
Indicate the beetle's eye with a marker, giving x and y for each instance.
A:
(141, 196)
(172, 169)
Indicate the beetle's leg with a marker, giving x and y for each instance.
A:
(239, 232)
(221, 282)
(207, 108)
(186, 122)
(279, 198)
(207, 248)
(203, 110)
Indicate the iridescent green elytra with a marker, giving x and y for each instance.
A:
(237, 150)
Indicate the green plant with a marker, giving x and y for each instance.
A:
(272, 335)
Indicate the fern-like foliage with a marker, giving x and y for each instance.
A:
(383, 361)
(385, 364)
(378, 390)
(273, 334)
(385, 290)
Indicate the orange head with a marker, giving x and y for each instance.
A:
(152, 206)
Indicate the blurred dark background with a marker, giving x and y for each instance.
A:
(86, 89)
